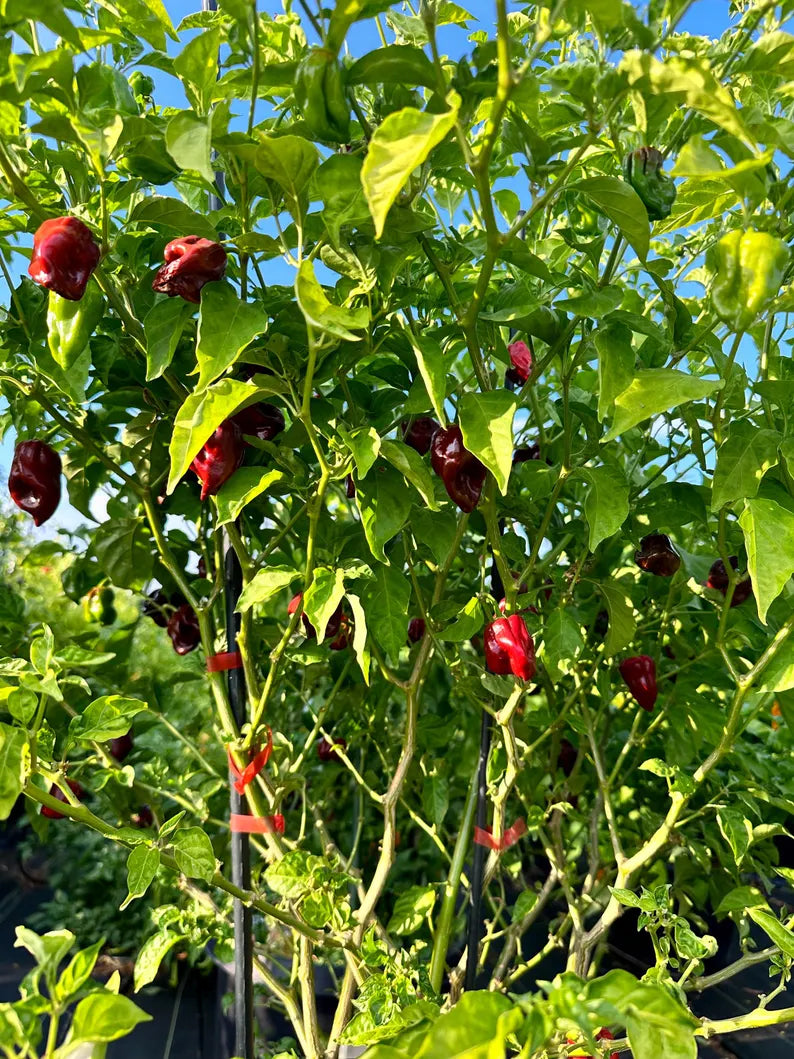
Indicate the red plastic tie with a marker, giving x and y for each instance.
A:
(484, 837)
(253, 768)
(223, 661)
(257, 825)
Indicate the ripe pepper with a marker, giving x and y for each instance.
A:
(120, 747)
(331, 629)
(718, 580)
(70, 324)
(640, 676)
(35, 480)
(602, 1035)
(748, 272)
(509, 648)
(521, 360)
(343, 637)
(528, 452)
(56, 792)
(64, 256)
(461, 472)
(183, 629)
(263, 421)
(566, 757)
(320, 92)
(143, 818)
(158, 606)
(656, 555)
(643, 170)
(327, 751)
(420, 433)
(190, 262)
(219, 457)
(416, 629)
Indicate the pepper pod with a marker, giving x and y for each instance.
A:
(521, 363)
(718, 580)
(748, 272)
(183, 629)
(639, 673)
(461, 472)
(327, 751)
(263, 421)
(656, 555)
(219, 457)
(416, 629)
(643, 170)
(56, 792)
(331, 629)
(509, 648)
(320, 92)
(420, 433)
(190, 263)
(65, 254)
(35, 480)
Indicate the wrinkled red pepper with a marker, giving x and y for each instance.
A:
(190, 262)
(509, 648)
(35, 480)
(416, 629)
(183, 629)
(521, 361)
(65, 254)
(56, 792)
(420, 433)
(219, 457)
(327, 751)
(331, 629)
(461, 472)
(718, 580)
(640, 676)
(263, 421)
(656, 555)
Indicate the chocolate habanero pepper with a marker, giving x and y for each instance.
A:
(263, 421)
(748, 272)
(718, 580)
(643, 170)
(416, 629)
(65, 254)
(190, 263)
(56, 792)
(420, 433)
(656, 555)
(219, 457)
(509, 648)
(183, 629)
(640, 676)
(461, 472)
(521, 361)
(320, 92)
(35, 480)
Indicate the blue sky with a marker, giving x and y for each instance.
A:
(709, 17)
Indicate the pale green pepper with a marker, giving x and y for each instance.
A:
(749, 268)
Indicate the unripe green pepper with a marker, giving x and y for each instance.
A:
(320, 91)
(141, 84)
(70, 324)
(748, 272)
(643, 170)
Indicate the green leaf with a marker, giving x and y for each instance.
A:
(780, 934)
(151, 955)
(737, 831)
(778, 674)
(525, 902)
(653, 391)
(291, 876)
(624, 207)
(107, 717)
(740, 899)
(430, 361)
(486, 421)
(322, 598)
(105, 1017)
(360, 648)
(606, 505)
(395, 64)
(622, 624)
(742, 461)
(142, 865)
(385, 599)
(197, 66)
(435, 798)
(226, 326)
(194, 854)
(769, 539)
(13, 750)
(77, 972)
(411, 909)
(125, 551)
(592, 303)
(562, 642)
(412, 467)
(467, 1031)
(244, 486)
(365, 445)
(197, 419)
(163, 327)
(265, 584)
(468, 622)
(384, 503)
(615, 364)
(322, 314)
(290, 161)
(188, 139)
(400, 144)
(172, 216)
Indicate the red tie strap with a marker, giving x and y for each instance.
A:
(253, 768)
(225, 660)
(484, 837)
(257, 825)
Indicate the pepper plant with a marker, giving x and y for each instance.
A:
(467, 335)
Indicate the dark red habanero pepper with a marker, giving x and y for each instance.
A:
(263, 421)
(416, 629)
(190, 262)
(640, 676)
(56, 792)
(327, 751)
(120, 747)
(509, 648)
(219, 457)
(34, 481)
(656, 555)
(419, 435)
(65, 254)
(461, 472)
(183, 629)
(718, 580)
(331, 629)
(521, 361)
(343, 637)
